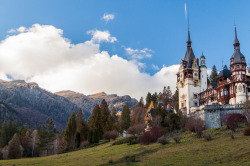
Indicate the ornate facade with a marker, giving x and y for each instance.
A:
(232, 86)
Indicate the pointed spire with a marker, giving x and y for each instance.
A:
(188, 41)
(236, 41)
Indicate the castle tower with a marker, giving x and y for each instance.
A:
(238, 69)
(188, 80)
(203, 73)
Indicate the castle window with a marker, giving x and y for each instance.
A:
(237, 66)
(195, 74)
(235, 89)
(244, 89)
(225, 91)
(242, 66)
(195, 104)
(194, 84)
(182, 85)
(195, 96)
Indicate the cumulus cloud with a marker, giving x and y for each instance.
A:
(108, 17)
(100, 36)
(139, 54)
(41, 54)
(155, 67)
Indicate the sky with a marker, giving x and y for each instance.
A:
(119, 47)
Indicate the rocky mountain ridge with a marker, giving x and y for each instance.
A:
(87, 103)
(30, 104)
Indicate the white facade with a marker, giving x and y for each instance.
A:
(191, 87)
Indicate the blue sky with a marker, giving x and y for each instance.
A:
(159, 26)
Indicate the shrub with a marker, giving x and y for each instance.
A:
(196, 125)
(110, 135)
(152, 135)
(207, 137)
(136, 129)
(130, 140)
(85, 144)
(163, 140)
(232, 120)
(177, 139)
(247, 131)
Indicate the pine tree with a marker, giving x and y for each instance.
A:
(214, 74)
(148, 99)
(106, 117)
(114, 119)
(176, 99)
(125, 118)
(70, 132)
(141, 102)
(43, 138)
(51, 130)
(95, 124)
(82, 127)
(14, 148)
(155, 99)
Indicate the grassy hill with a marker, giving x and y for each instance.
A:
(221, 150)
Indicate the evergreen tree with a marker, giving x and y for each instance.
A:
(95, 125)
(43, 139)
(14, 148)
(154, 98)
(176, 99)
(114, 119)
(141, 102)
(125, 118)
(51, 130)
(148, 99)
(106, 117)
(214, 74)
(82, 127)
(7, 132)
(70, 132)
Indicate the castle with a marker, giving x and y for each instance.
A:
(232, 86)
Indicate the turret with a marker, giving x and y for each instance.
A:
(203, 73)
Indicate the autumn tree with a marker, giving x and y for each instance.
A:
(27, 145)
(14, 148)
(125, 117)
(214, 74)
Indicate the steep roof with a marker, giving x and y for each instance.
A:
(224, 73)
(237, 55)
(214, 85)
(189, 56)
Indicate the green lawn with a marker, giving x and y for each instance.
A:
(222, 150)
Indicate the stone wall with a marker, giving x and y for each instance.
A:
(213, 114)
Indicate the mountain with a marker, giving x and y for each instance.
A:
(28, 103)
(87, 103)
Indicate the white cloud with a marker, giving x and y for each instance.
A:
(139, 54)
(108, 17)
(41, 54)
(100, 36)
(209, 72)
(155, 67)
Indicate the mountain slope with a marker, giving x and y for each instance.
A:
(34, 104)
(87, 103)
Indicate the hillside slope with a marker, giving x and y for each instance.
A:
(34, 104)
(87, 103)
(221, 150)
